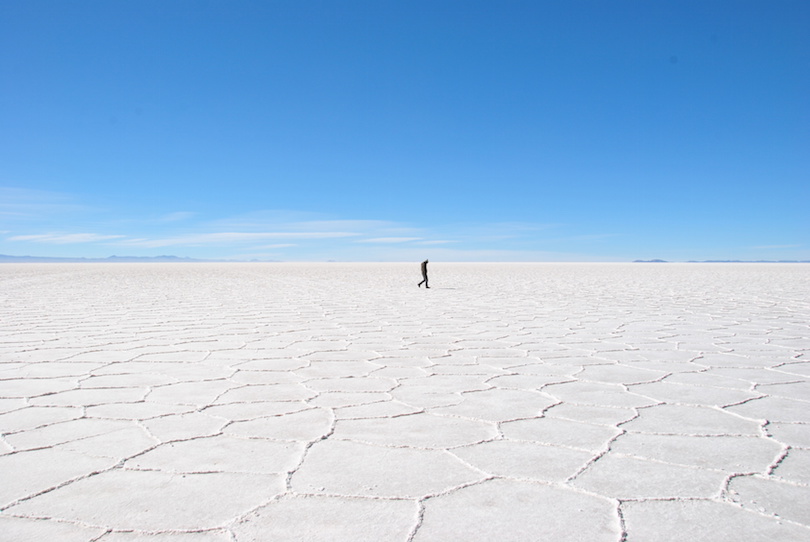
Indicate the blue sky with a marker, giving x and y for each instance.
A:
(394, 131)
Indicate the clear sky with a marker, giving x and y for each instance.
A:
(378, 130)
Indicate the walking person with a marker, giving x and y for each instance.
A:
(424, 275)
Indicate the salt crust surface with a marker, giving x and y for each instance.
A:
(240, 402)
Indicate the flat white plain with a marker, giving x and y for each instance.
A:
(228, 401)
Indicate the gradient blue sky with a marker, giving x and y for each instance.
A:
(394, 131)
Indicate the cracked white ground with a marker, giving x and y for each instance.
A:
(240, 402)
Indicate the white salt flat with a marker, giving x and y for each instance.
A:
(339, 402)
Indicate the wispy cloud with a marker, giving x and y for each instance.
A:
(389, 240)
(66, 238)
(25, 204)
(269, 234)
(231, 237)
(354, 225)
(285, 220)
(275, 246)
(436, 242)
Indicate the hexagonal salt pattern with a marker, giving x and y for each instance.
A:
(251, 402)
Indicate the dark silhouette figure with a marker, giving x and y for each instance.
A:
(424, 275)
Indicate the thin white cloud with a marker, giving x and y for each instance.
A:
(65, 239)
(296, 221)
(232, 237)
(436, 242)
(27, 204)
(291, 235)
(389, 240)
(589, 237)
(279, 245)
(355, 225)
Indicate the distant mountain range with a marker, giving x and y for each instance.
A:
(123, 259)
